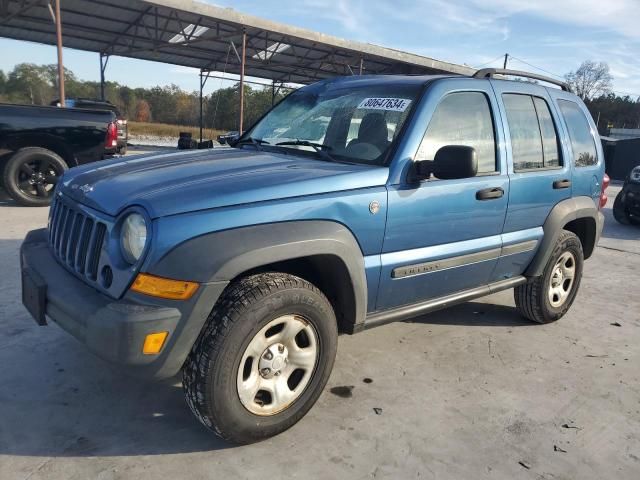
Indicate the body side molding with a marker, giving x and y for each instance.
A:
(462, 260)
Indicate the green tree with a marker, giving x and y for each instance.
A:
(621, 112)
(222, 107)
(29, 83)
(3, 82)
(37, 84)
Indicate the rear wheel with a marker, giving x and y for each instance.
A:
(31, 174)
(547, 298)
(619, 210)
(263, 359)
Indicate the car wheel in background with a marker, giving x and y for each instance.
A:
(547, 298)
(619, 210)
(4, 158)
(263, 358)
(31, 174)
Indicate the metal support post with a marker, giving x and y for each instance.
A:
(242, 63)
(60, 62)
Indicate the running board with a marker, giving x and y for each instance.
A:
(409, 311)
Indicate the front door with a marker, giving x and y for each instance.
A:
(444, 236)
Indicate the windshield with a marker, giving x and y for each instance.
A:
(353, 124)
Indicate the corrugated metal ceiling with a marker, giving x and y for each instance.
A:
(206, 37)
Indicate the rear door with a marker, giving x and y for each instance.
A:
(443, 236)
(540, 171)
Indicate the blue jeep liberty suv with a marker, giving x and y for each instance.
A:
(352, 203)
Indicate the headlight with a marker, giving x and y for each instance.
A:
(635, 174)
(133, 237)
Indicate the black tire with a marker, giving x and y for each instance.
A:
(211, 370)
(4, 158)
(619, 210)
(122, 150)
(532, 298)
(33, 164)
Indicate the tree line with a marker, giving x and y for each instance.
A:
(593, 82)
(34, 84)
(37, 84)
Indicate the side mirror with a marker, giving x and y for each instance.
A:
(455, 161)
(422, 170)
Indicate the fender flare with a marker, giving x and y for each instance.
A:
(42, 140)
(225, 255)
(561, 214)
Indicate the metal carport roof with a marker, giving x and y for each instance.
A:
(193, 34)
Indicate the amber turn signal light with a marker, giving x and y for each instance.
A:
(153, 343)
(164, 287)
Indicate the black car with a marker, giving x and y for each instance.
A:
(94, 104)
(37, 144)
(229, 136)
(626, 207)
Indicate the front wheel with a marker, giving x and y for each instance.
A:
(263, 359)
(547, 298)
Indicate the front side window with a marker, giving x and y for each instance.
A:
(343, 122)
(462, 118)
(582, 143)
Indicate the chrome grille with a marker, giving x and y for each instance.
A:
(76, 239)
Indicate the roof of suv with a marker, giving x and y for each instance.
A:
(487, 73)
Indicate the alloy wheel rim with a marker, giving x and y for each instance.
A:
(277, 365)
(562, 279)
(37, 178)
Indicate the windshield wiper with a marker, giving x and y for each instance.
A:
(256, 142)
(320, 148)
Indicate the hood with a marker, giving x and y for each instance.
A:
(169, 184)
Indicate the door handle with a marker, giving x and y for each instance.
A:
(489, 193)
(558, 184)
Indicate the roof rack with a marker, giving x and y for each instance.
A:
(491, 72)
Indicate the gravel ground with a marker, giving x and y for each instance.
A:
(153, 141)
(470, 392)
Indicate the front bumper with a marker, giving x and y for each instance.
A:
(115, 329)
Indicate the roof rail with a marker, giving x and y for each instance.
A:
(491, 72)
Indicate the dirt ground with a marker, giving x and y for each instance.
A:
(467, 393)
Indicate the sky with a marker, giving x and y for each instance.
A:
(543, 36)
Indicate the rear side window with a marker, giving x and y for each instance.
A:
(549, 136)
(582, 143)
(534, 141)
(462, 118)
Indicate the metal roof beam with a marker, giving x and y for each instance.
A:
(24, 6)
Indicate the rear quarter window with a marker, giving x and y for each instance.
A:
(582, 142)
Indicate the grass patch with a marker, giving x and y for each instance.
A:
(167, 130)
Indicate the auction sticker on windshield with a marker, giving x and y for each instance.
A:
(391, 104)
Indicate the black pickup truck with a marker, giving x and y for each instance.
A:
(37, 144)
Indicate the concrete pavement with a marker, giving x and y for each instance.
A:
(470, 392)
